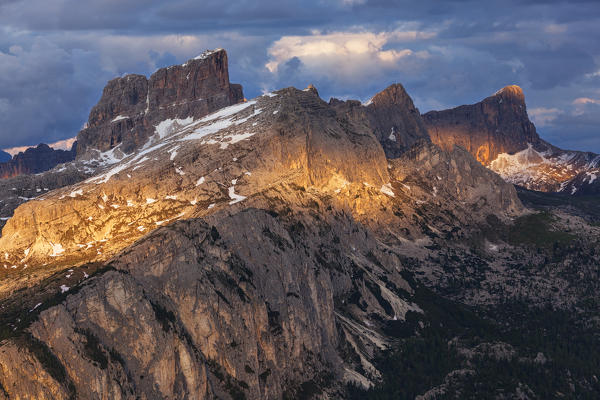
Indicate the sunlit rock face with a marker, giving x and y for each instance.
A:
(197, 168)
(498, 124)
(498, 133)
(131, 106)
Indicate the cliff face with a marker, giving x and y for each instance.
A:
(499, 134)
(498, 124)
(391, 116)
(35, 160)
(131, 107)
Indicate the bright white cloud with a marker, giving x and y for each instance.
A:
(347, 52)
(542, 116)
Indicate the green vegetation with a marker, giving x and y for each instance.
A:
(423, 360)
(536, 230)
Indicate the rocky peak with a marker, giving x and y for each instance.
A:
(312, 88)
(393, 95)
(395, 120)
(513, 92)
(498, 124)
(132, 106)
(390, 115)
(35, 160)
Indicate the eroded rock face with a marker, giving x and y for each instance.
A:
(498, 133)
(204, 166)
(24, 376)
(498, 124)
(458, 175)
(35, 160)
(131, 107)
(391, 116)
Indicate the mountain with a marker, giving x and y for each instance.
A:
(498, 133)
(273, 249)
(132, 106)
(131, 109)
(392, 117)
(4, 156)
(35, 160)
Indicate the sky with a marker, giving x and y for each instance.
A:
(57, 55)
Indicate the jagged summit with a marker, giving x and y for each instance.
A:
(312, 88)
(204, 55)
(392, 116)
(498, 133)
(511, 91)
(394, 94)
(132, 106)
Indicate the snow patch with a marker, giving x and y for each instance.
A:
(387, 190)
(236, 198)
(392, 136)
(169, 126)
(119, 118)
(57, 249)
(76, 193)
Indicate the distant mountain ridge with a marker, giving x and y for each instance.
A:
(498, 133)
(35, 160)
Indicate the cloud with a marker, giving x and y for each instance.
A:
(45, 92)
(542, 116)
(342, 48)
(585, 100)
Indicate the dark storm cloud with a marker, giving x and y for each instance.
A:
(56, 55)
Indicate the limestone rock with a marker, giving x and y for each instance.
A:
(498, 133)
(391, 116)
(131, 107)
(35, 160)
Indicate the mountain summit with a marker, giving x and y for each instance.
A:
(498, 124)
(132, 106)
(498, 133)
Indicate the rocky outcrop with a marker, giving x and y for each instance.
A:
(35, 160)
(458, 175)
(498, 124)
(498, 133)
(391, 116)
(132, 107)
